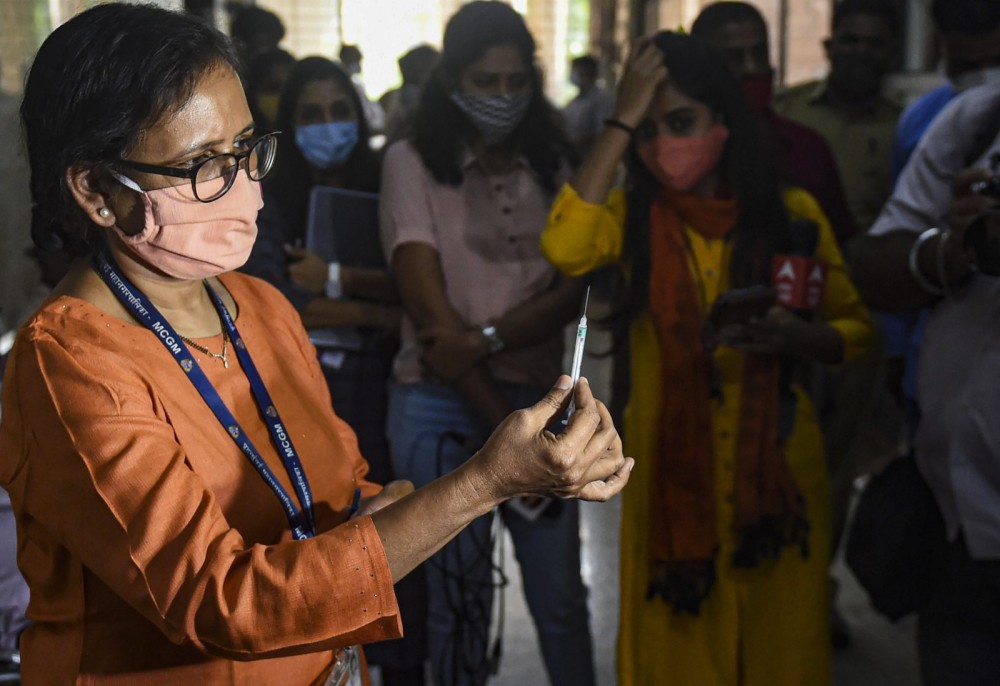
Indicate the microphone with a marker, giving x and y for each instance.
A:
(798, 277)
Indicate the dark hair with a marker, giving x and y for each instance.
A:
(719, 14)
(417, 63)
(262, 63)
(748, 166)
(258, 70)
(884, 9)
(973, 17)
(585, 62)
(440, 128)
(349, 53)
(97, 83)
(290, 183)
(251, 21)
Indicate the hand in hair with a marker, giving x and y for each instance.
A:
(644, 73)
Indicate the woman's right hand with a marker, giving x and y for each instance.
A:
(644, 73)
(521, 458)
(585, 461)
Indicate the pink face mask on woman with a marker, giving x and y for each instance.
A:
(189, 239)
(680, 162)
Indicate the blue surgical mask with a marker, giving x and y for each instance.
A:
(328, 144)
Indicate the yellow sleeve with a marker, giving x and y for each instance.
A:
(841, 307)
(581, 236)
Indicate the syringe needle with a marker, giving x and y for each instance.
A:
(581, 339)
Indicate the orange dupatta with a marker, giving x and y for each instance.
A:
(769, 509)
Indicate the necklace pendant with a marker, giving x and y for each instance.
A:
(225, 363)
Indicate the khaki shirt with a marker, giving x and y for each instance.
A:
(862, 145)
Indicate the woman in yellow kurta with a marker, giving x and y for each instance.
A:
(725, 530)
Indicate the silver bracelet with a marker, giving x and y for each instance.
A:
(942, 271)
(914, 262)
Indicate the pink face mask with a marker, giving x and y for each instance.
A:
(189, 239)
(680, 162)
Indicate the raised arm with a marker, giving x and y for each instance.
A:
(881, 263)
(934, 190)
(644, 73)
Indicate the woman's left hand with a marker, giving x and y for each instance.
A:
(779, 332)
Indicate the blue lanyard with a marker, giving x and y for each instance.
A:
(302, 522)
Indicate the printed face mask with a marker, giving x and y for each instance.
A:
(329, 144)
(680, 163)
(494, 116)
(189, 239)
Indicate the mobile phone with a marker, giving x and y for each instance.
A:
(741, 305)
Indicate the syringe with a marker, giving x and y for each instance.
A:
(581, 339)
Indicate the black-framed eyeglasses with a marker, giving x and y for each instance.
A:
(258, 161)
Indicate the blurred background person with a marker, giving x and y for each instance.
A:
(861, 417)
(254, 30)
(586, 112)
(969, 33)
(848, 108)
(264, 79)
(415, 66)
(804, 159)
(463, 203)
(923, 253)
(321, 117)
(725, 536)
(351, 58)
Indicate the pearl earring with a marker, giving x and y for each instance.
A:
(104, 212)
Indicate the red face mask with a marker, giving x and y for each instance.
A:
(758, 91)
(680, 162)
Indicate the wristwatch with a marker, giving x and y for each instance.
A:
(493, 341)
(334, 286)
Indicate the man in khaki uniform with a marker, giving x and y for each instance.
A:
(860, 420)
(848, 108)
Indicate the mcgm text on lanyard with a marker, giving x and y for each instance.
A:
(302, 522)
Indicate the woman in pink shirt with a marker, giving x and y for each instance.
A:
(463, 204)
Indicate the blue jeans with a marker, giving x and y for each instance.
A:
(432, 431)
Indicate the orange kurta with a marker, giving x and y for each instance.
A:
(154, 552)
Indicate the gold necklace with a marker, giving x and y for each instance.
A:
(200, 348)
